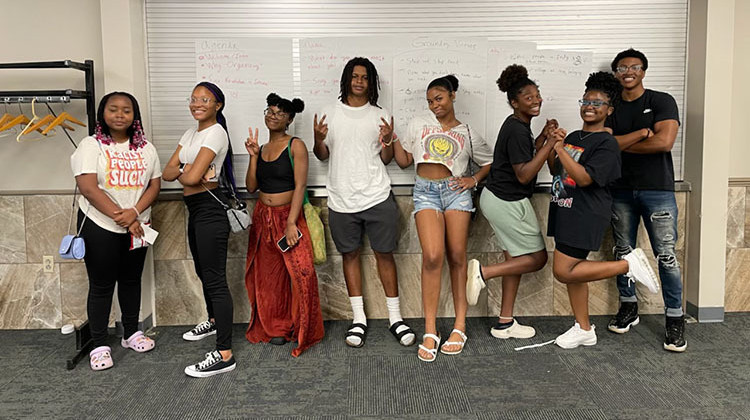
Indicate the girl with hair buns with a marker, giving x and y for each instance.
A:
(581, 208)
(281, 283)
(517, 160)
(442, 147)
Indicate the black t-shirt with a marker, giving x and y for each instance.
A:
(515, 144)
(653, 171)
(579, 216)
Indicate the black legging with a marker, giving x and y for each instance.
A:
(208, 234)
(109, 261)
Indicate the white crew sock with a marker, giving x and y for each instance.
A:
(358, 307)
(394, 315)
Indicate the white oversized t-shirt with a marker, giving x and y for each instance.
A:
(357, 178)
(428, 142)
(122, 174)
(214, 138)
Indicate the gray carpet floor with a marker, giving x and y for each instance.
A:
(623, 377)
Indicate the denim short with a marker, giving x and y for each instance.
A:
(436, 194)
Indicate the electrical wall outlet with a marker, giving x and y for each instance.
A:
(48, 262)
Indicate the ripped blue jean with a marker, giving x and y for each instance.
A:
(659, 212)
(436, 194)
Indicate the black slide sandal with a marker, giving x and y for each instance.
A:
(401, 334)
(350, 333)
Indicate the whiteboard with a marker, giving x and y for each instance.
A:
(246, 70)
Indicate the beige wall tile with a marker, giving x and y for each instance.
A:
(737, 286)
(12, 230)
(736, 217)
(334, 299)
(46, 218)
(168, 218)
(74, 288)
(178, 294)
(29, 297)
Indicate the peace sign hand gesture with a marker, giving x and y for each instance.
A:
(251, 144)
(320, 128)
(386, 132)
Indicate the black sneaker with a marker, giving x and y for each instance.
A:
(200, 331)
(674, 337)
(214, 364)
(626, 317)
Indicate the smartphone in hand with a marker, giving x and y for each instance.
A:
(210, 174)
(283, 245)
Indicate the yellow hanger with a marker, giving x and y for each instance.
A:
(59, 121)
(37, 125)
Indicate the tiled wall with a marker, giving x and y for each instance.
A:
(31, 226)
(737, 286)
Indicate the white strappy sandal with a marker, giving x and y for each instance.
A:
(432, 352)
(455, 343)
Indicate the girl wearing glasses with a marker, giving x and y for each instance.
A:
(279, 274)
(517, 160)
(581, 207)
(442, 148)
(202, 157)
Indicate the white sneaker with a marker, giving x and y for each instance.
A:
(474, 282)
(640, 270)
(577, 336)
(514, 331)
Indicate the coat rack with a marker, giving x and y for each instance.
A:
(56, 96)
(83, 335)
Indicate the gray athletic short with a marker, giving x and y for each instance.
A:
(380, 222)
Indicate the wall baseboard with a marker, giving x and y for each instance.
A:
(707, 314)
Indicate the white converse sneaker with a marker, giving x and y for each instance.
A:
(576, 336)
(640, 270)
(516, 330)
(474, 282)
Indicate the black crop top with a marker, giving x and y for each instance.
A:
(276, 176)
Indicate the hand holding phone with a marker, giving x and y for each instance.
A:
(283, 245)
(210, 174)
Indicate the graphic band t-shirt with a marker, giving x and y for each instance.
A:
(579, 216)
(122, 174)
(515, 144)
(653, 171)
(357, 178)
(214, 138)
(455, 148)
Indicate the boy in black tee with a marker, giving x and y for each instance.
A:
(645, 124)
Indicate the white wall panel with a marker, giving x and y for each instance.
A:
(604, 27)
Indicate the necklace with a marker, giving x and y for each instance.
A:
(580, 137)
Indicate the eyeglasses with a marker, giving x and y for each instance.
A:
(624, 69)
(205, 101)
(595, 104)
(278, 114)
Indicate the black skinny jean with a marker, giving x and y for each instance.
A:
(108, 261)
(208, 234)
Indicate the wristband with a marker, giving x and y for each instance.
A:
(137, 213)
(476, 182)
(182, 168)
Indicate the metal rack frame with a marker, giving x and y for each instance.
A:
(84, 343)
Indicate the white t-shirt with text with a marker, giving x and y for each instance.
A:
(122, 174)
(428, 142)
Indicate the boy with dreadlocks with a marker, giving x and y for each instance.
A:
(583, 166)
(359, 144)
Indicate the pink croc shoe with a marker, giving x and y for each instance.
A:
(101, 358)
(138, 342)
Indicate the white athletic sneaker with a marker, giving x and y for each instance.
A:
(514, 331)
(474, 282)
(640, 270)
(576, 336)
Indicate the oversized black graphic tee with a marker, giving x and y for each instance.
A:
(579, 216)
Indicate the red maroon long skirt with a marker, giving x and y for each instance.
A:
(282, 286)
